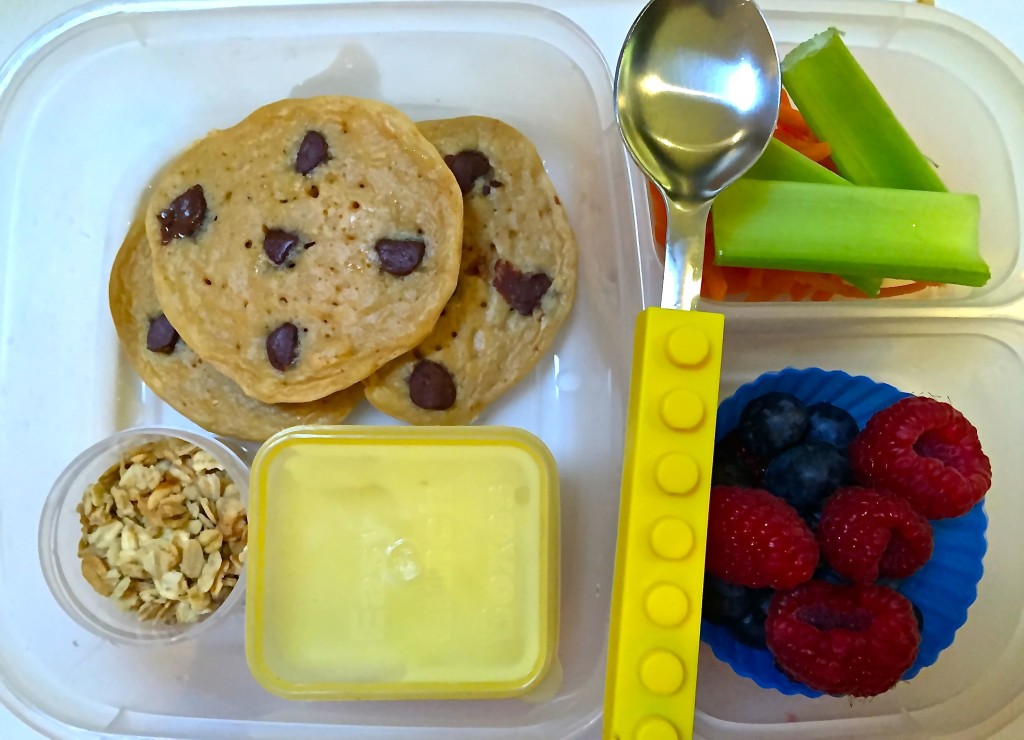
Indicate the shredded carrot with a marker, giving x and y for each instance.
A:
(815, 150)
(760, 295)
(896, 290)
(799, 291)
(826, 283)
(793, 131)
(789, 118)
(659, 218)
(828, 164)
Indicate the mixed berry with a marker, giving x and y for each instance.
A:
(759, 540)
(855, 640)
(813, 522)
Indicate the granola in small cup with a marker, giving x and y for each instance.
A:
(164, 532)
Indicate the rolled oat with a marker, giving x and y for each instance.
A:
(164, 532)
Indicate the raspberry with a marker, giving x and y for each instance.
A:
(926, 452)
(843, 640)
(866, 535)
(758, 540)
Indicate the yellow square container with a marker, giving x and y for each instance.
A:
(402, 563)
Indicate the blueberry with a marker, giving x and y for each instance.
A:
(743, 610)
(773, 422)
(734, 464)
(750, 629)
(807, 474)
(724, 603)
(832, 425)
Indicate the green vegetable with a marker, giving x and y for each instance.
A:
(782, 162)
(908, 234)
(843, 107)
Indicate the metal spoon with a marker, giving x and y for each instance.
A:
(697, 97)
(697, 94)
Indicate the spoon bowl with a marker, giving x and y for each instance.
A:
(697, 92)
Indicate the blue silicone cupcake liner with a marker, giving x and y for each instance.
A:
(943, 589)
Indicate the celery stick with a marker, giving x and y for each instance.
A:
(908, 234)
(843, 107)
(782, 162)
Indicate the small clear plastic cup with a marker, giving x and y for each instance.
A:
(60, 530)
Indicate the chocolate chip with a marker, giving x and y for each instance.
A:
(282, 346)
(495, 183)
(522, 291)
(312, 152)
(161, 337)
(431, 386)
(486, 190)
(467, 166)
(400, 256)
(277, 243)
(184, 216)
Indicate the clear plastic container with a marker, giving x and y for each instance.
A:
(397, 562)
(60, 530)
(92, 106)
(87, 120)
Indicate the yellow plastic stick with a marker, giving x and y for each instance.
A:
(659, 568)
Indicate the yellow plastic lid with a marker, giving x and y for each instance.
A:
(402, 563)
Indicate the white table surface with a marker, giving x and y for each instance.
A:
(1004, 19)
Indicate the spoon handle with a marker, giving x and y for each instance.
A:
(684, 253)
(651, 680)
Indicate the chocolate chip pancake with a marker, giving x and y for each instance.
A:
(515, 289)
(306, 246)
(176, 374)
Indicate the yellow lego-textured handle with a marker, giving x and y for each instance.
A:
(659, 563)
